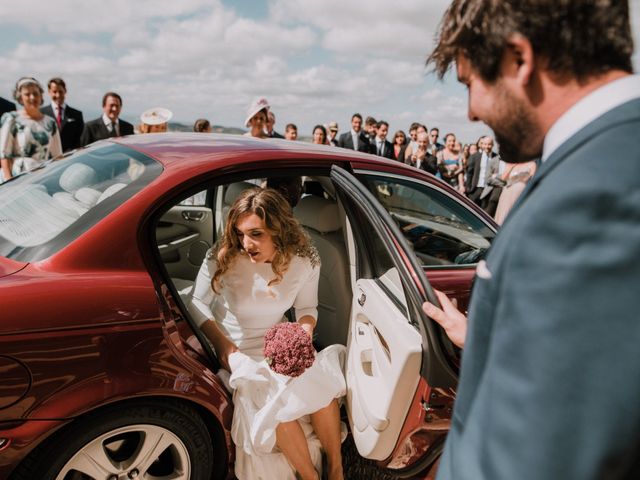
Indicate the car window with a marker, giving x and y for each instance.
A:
(441, 230)
(197, 200)
(44, 210)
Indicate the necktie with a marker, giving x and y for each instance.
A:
(59, 117)
(355, 142)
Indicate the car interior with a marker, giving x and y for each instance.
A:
(363, 302)
(185, 234)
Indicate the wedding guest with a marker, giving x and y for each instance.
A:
(399, 145)
(155, 120)
(355, 139)
(515, 176)
(269, 126)
(28, 137)
(202, 125)
(257, 118)
(319, 135)
(449, 163)
(333, 134)
(69, 120)
(109, 124)
(291, 131)
(421, 158)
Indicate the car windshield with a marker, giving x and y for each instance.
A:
(44, 210)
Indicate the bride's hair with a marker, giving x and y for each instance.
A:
(289, 237)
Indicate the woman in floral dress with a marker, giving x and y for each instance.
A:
(28, 138)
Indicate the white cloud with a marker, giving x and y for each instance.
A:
(314, 61)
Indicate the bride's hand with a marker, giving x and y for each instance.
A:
(308, 323)
(224, 348)
(221, 344)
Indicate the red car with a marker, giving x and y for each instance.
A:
(102, 372)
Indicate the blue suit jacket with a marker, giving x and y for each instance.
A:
(550, 380)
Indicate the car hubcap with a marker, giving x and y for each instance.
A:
(135, 451)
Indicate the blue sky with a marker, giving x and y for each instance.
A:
(314, 61)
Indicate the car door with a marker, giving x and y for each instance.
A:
(447, 236)
(393, 347)
(184, 234)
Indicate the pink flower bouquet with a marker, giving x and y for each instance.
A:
(288, 349)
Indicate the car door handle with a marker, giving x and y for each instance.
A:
(361, 299)
(194, 216)
(177, 243)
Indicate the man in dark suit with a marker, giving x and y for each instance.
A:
(421, 158)
(271, 121)
(483, 183)
(549, 377)
(109, 124)
(381, 146)
(435, 146)
(355, 138)
(6, 106)
(69, 120)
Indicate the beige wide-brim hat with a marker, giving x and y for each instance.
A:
(156, 116)
(257, 105)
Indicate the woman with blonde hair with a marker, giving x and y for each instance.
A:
(27, 137)
(263, 265)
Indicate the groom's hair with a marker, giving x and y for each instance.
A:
(576, 37)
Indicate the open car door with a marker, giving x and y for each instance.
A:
(396, 355)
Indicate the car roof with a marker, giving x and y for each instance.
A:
(171, 148)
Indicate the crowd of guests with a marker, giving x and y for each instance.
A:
(31, 133)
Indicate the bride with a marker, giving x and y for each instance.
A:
(264, 265)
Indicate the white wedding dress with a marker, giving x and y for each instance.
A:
(245, 308)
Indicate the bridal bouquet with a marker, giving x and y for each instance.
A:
(288, 349)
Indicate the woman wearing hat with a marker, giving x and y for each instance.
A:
(257, 118)
(27, 137)
(155, 120)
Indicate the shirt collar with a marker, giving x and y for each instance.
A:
(587, 109)
(107, 120)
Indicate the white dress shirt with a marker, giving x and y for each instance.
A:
(484, 162)
(55, 107)
(110, 125)
(589, 108)
(355, 139)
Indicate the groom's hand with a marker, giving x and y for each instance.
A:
(449, 318)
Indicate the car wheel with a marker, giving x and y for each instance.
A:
(157, 440)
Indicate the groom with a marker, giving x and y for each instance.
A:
(550, 378)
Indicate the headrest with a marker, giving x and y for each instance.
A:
(76, 176)
(318, 213)
(111, 190)
(235, 189)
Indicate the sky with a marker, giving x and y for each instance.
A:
(314, 61)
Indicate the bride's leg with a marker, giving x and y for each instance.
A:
(292, 442)
(326, 423)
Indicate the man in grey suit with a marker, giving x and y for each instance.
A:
(355, 139)
(550, 377)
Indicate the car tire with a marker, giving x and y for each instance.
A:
(157, 439)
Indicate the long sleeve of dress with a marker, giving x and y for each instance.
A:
(306, 302)
(203, 294)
